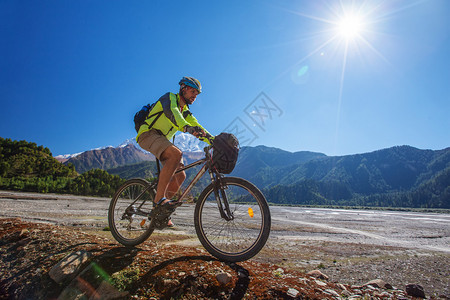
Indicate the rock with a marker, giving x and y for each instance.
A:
(317, 274)
(24, 241)
(71, 292)
(357, 292)
(278, 272)
(385, 295)
(332, 292)
(89, 284)
(378, 283)
(346, 293)
(224, 278)
(415, 290)
(318, 282)
(69, 266)
(292, 292)
(243, 274)
(108, 292)
(166, 284)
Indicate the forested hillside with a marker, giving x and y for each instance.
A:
(24, 159)
(395, 177)
(145, 169)
(24, 166)
(261, 163)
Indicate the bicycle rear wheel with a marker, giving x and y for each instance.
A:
(129, 210)
(246, 233)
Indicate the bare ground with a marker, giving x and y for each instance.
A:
(30, 249)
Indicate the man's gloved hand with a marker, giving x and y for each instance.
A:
(195, 131)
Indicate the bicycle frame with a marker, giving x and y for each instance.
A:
(215, 178)
(224, 207)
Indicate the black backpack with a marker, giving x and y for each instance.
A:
(142, 115)
(225, 152)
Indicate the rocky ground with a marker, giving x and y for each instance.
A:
(44, 261)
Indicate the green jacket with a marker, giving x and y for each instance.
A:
(170, 118)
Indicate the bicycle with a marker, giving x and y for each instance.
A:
(231, 216)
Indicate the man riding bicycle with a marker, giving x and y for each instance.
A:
(167, 116)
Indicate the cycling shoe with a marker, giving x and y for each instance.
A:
(161, 212)
(168, 205)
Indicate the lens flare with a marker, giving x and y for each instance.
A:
(300, 76)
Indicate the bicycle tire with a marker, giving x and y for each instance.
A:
(121, 222)
(244, 236)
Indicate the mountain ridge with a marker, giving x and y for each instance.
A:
(399, 175)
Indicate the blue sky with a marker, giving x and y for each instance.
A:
(278, 73)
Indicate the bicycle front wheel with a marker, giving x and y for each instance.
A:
(129, 210)
(243, 234)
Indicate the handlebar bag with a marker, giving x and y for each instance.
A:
(225, 152)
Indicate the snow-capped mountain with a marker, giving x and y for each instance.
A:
(65, 157)
(128, 152)
(128, 142)
(184, 141)
(189, 143)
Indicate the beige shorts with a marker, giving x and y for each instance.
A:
(154, 142)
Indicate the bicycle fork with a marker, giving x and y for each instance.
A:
(221, 198)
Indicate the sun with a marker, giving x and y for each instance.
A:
(346, 29)
(350, 26)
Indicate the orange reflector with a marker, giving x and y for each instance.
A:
(250, 212)
(143, 223)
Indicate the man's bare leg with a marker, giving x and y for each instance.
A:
(175, 184)
(171, 158)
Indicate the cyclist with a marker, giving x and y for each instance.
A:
(167, 116)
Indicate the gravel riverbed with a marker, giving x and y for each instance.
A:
(350, 246)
